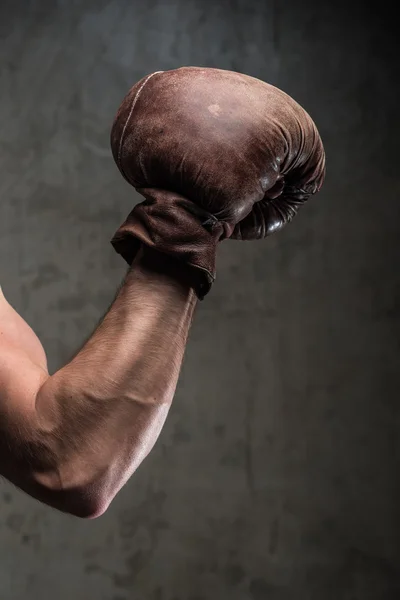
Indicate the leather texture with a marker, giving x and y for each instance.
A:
(216, 154)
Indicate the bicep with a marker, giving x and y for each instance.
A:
(15, 330)
(23, 370)
(20, 381)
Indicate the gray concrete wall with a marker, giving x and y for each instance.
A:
(277, 474)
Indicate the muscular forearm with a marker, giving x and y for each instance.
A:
(100, 415)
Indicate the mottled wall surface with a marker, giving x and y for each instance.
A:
(277, 474)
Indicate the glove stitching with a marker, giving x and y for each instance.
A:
(129, 118)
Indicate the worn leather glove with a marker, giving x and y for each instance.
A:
(216, 154)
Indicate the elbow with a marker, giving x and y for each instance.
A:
(82, 501)
(87, 512)
(85, 495)
(83, 509)
(85, 503)
(94, 509)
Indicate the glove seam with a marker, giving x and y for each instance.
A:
(129, 118)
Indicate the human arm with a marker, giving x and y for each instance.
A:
(73, 439)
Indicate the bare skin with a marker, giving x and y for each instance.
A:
(73, 439)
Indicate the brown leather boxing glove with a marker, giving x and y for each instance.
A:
(216, 154)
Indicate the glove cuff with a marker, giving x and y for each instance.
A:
(173, 225)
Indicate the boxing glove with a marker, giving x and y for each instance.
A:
(216, 154)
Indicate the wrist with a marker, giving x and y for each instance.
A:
(164, 268)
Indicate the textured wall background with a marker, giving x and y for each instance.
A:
(277, 474)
